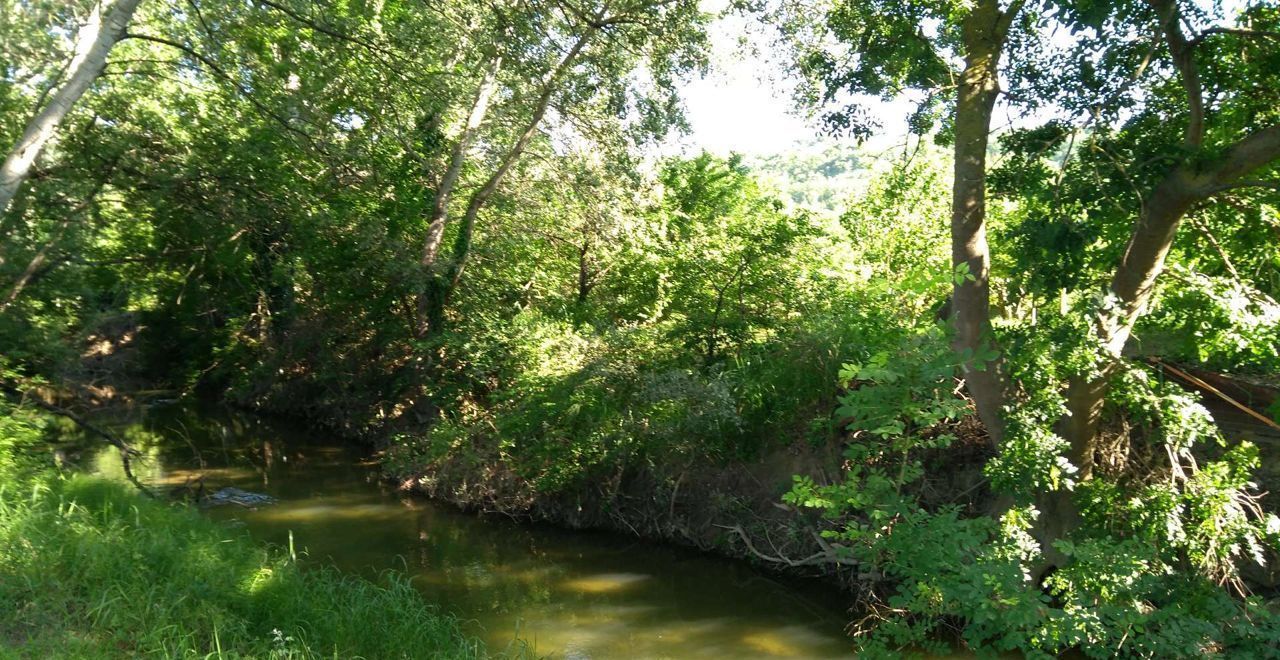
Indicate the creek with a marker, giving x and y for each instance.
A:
(564, 593)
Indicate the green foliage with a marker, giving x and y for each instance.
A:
(576, 405)
(732, 261)
(1220, 322)
(898, 226)
(897, 405)
(1145, 570)
(245, 210)
(718, 327)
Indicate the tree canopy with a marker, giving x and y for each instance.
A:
(455, 229)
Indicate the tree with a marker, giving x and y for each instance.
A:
(571, 55)
(105, 26)
(731, 258)
(891, 52)
(1226, 139)
(883, 49)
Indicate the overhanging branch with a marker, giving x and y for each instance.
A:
(828, 555)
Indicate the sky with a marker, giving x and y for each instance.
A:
(744, 104)
(736, 107)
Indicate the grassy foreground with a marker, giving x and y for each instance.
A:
(92, 569)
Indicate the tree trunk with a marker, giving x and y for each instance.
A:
(1134, 281)
(584, 273)
(1131, 288)
(104, 28)
(457, 158)
(33, 266)
(984, 29)
(1163, 209)
(443, 278)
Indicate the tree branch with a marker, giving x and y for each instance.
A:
(217, 70)
(1183, 55)
(1273, 185)
(1241, 32)
(826, 557)
(1245, 156)
(126, 451)
(1213, 241)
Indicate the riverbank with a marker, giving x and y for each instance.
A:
(92, 568)
(732, 509)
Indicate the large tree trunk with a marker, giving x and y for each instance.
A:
(984, 30)
(104, 28)
(1131, 288)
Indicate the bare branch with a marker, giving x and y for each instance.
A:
(1213, 241)
(826, 557)
(127, 452)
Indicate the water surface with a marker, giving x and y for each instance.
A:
(567, 594)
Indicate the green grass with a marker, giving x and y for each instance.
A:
(92, 569)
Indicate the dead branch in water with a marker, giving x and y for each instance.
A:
(126, 451)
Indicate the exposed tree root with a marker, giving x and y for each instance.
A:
(828, 555)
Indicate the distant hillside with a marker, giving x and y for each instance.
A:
(823, 176)
(820, 177)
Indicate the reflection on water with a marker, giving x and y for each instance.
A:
(567, 594)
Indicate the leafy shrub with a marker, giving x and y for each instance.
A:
(1141, 576)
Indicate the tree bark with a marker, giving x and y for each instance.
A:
(457, 158)
(984, 32)
(105, 27)
(584, 272)
(33, 266)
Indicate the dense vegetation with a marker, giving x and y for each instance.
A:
(442, 227)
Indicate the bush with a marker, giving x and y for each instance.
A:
(1146, 573)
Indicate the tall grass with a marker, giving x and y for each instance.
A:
(91, 569)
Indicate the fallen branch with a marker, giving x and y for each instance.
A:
(1213, 390)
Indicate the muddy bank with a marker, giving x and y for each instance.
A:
(733, 509)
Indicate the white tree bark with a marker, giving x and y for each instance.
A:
(457, 159)
(105, 27)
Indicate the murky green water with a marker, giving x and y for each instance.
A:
(567, 594)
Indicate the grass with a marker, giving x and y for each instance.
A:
(92, 569)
